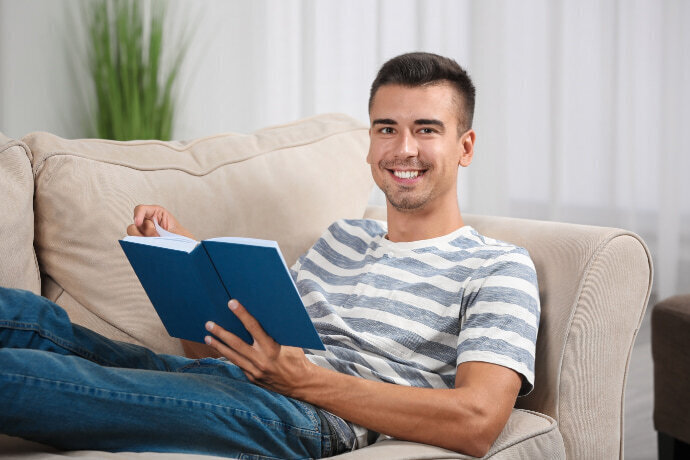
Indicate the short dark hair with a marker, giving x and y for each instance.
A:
(420, 69)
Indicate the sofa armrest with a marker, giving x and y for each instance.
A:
(526, 435)
(594, 285)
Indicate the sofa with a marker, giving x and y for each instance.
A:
(65, 203)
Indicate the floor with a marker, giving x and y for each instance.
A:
(640, 437)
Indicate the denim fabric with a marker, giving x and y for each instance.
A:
(345, 437)
(66, 386)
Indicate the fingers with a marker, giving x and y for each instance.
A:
(229, 339)
(230, 352)
(143, 212)
(248, 357)
(145, 215)
(132, 230)
(146, 229)
(250, 323)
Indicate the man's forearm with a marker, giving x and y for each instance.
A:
(451, 418)
(465, 419)
(196, 350)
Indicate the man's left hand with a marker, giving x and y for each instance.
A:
(266, 363)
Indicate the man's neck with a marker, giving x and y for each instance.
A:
(405, 226)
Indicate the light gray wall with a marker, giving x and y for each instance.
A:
(36, 70)
(582, 107)
(251, 63)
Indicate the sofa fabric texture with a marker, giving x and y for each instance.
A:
(19, 268)
(594, 284)
(288, 183)
(226, 185)
(670, 345)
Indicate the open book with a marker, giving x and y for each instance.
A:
(190, 282)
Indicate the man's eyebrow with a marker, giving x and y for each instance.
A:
(421, 121)
(384, 121)
(431, 121)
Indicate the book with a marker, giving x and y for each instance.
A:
(190, 282)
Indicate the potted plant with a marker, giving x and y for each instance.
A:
(134, 84)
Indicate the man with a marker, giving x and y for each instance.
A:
(430, 328)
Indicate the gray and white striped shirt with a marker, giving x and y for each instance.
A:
(410, 313)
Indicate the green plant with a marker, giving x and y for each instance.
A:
(134, 90)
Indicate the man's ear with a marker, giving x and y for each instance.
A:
(467, 148)
(369, 152)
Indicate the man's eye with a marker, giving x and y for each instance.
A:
(387, 130)
(426, 130)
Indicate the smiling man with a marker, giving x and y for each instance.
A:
(429, 327)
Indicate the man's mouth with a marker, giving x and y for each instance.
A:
(407, 174)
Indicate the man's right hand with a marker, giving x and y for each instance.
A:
(145, 215)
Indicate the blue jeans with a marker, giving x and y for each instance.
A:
(64, 385)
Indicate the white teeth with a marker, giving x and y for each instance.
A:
(406, 174)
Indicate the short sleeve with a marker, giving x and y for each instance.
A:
(297, 266)
(500, 315)
(294, 270)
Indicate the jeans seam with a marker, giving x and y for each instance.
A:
(35, 328)
(310, 411)
(327, 445)
(198, 364)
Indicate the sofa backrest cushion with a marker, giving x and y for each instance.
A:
(18, 268)
(285, 183)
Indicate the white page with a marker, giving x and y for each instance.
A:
(166, 240)
(247, 241)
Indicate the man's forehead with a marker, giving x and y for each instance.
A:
(414, 103)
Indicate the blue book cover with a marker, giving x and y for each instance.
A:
(190, 283)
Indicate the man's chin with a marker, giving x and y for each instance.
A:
(406, 205)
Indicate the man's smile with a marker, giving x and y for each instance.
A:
(407, 174)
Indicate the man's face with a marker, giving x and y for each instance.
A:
(415, 147)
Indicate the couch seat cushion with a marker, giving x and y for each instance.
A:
(527, 435)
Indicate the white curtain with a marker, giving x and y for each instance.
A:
(582, 109)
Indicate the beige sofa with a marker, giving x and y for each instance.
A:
(65, 203)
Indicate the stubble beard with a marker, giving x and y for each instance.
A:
(403, 198)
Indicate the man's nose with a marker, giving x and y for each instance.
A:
(407, 145)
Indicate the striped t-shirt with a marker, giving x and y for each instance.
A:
(409, 313)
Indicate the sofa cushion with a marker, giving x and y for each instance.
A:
(527, 435)
(285, 183)
(18, 268)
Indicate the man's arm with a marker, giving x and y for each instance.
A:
(466, 419)
(196, 350)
